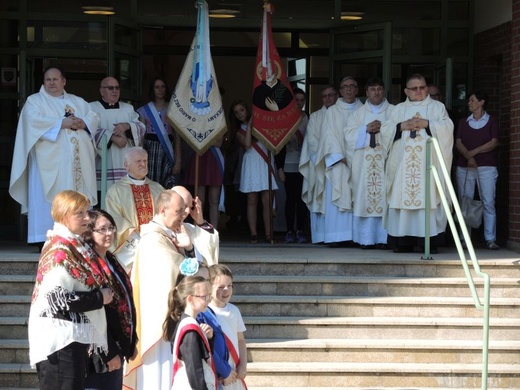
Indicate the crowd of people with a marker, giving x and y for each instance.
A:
(163, 321)
(134, 296)
(352, 173)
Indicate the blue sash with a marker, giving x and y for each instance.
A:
(159, 130)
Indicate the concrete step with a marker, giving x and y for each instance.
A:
(343, 350)
(17, 376)
(377, 375)
(18, 264)
(14, 350)
(319, 260)
(14, 305)
(13, 327)
(444, 328)
(327, 285)
(383, 351)
(354, 388)
(334, 306)
(327, 306)
(369, 286)
(16, 284)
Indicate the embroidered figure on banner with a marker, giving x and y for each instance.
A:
(201, 88)
(271, 94)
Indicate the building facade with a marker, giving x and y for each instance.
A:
(319, 43)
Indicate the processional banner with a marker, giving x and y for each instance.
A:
(195, 109)
(275, 114)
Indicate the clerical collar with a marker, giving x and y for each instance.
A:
(138, 182)
(375, 109)
(108, 106)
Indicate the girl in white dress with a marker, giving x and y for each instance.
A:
(254, 178)
(232, 324)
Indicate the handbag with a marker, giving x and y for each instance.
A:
(96, 365)
(472, 209)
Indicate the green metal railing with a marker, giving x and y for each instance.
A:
(104, 143)
(476, 267)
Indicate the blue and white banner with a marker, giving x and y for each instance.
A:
(195, 108)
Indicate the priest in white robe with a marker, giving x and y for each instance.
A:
(120, 122)
(131, 202)
(161, 249)
(367, 158)
(308, 167)
(333, 189)
(405, 135)
(54, 151)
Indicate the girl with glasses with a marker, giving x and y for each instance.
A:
(191, 349)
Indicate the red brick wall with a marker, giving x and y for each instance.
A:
(493, 67)
(514, 138)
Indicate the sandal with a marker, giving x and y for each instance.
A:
(253, 239)
(267, 239)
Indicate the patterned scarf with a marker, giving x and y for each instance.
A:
(120, 283)
(68, 250)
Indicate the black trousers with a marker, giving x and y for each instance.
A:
(296, 212)
(64, 369)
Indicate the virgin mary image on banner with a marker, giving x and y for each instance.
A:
(195, 109)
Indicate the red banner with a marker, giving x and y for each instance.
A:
(275, 113)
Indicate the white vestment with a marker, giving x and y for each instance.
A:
(121, 204)
(206, 244)
(116, 155)
(368, 173)
(310, 171)
(406, 168)
(48, 159)
(333, 190)
(154, 274)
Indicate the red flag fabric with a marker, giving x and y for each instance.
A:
(275, 114)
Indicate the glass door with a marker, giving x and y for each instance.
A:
(363, 52)
(124, 57)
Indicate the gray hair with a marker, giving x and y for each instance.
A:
(130, 151)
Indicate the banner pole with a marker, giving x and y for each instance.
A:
(270, 178)
(196, 189)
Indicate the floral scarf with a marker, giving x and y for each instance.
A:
(68, 250)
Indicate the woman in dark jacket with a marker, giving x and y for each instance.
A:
(106, 369)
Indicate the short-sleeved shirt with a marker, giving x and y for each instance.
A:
(472, 138)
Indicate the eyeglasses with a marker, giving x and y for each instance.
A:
(105, 230)
(349, 86)
(205, 298)
(328, 95)
(416, 89)
(112, 87)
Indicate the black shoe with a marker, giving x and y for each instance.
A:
(403, 249)
(367, 247)
(492, 245)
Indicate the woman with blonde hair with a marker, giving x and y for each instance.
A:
(66, 317)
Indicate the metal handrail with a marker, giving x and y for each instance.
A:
(449, 186)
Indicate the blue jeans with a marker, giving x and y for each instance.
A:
(487, 180)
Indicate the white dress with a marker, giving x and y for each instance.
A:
(254, 176)
(231, 322)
